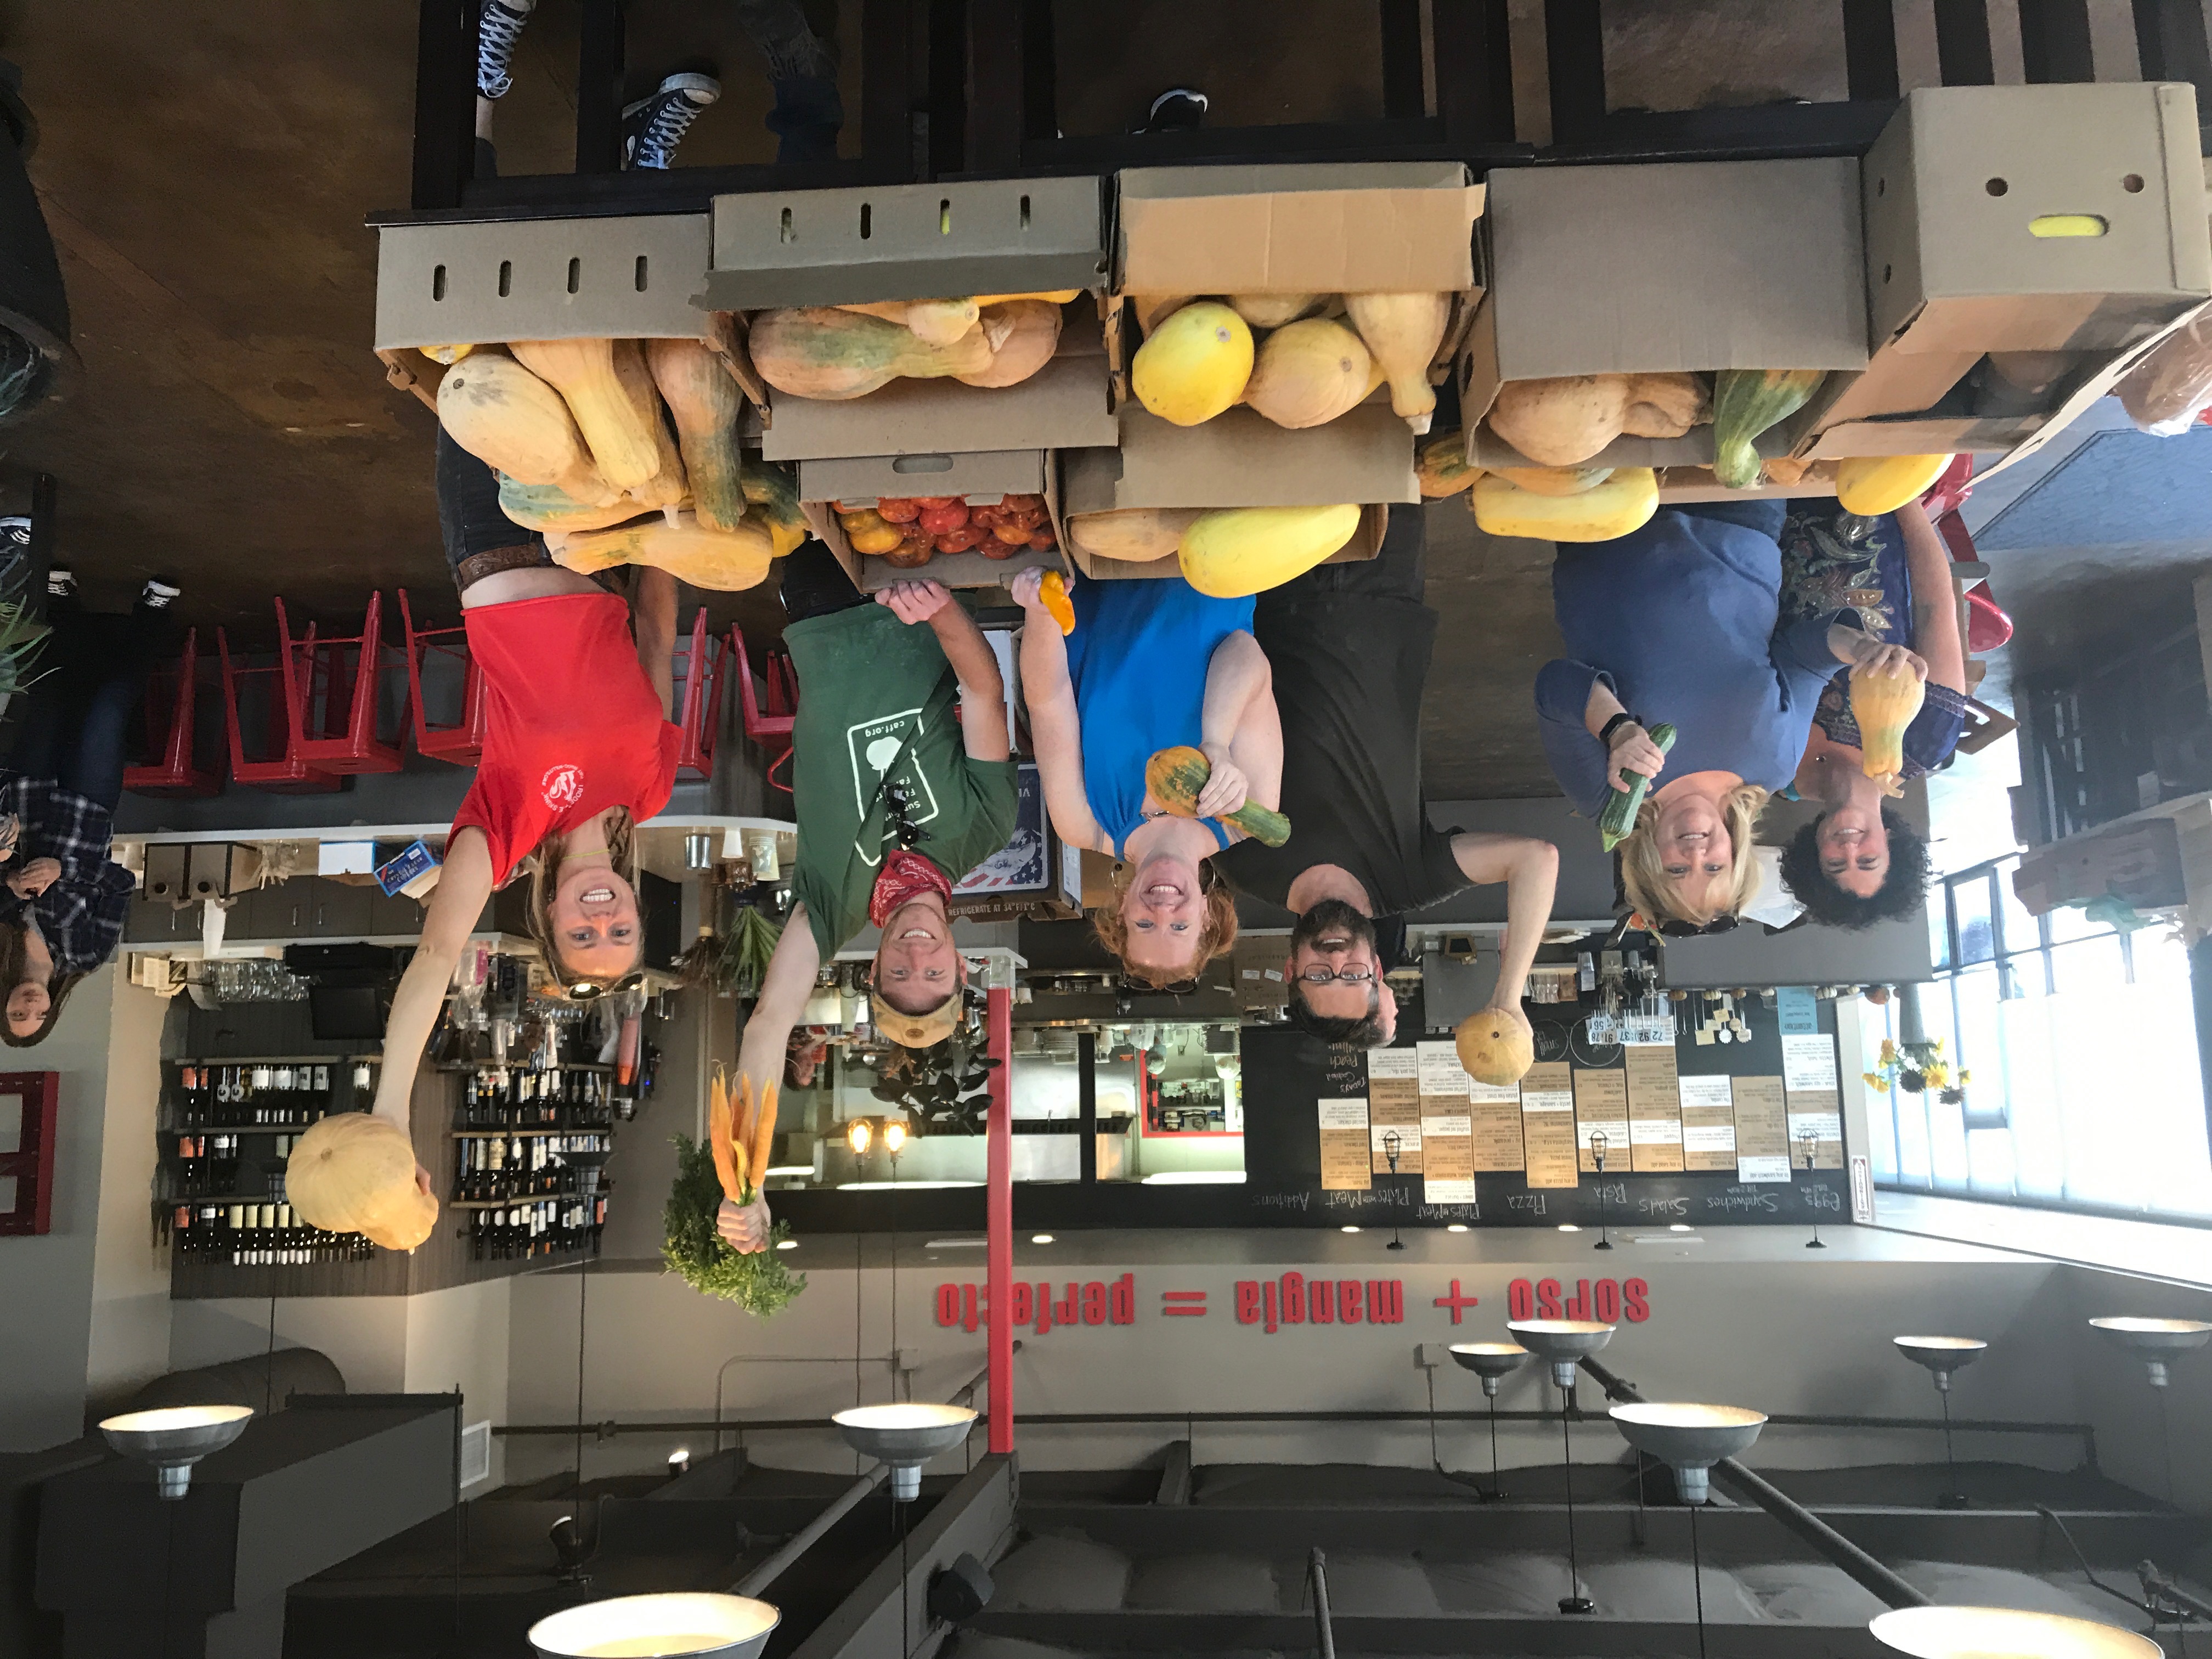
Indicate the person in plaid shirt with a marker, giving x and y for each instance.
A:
(62, 911)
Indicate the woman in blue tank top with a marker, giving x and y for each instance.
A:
(1153, 663)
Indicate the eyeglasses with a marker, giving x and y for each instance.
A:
(584, 990)
(1358, 973)
(1692, 930)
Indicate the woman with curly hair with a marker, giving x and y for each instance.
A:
(1151, 665)
(1677, 622)
(1859, 862)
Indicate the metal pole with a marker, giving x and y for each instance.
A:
(1791, 1514)
(1324, 1635)
(806, 1538)
(999, 1209)
(1697, 1578)
(1574, 1600)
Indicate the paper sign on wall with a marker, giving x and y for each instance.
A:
(1708, 1122)
(1494, 1114)
(1393, 1104)
(1762, 1130)
(1655, 1108)
(1547, 1124)
(1602, 1110)
(1815, 1107)
(1344, 1163)
(1449, 1176)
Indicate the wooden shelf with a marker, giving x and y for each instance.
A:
(513, 1135)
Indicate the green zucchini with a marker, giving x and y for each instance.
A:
(1746, 401)
(1620, 815)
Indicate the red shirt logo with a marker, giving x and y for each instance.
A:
(564, 787)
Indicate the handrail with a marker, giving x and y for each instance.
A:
(1324, 1631)
(1791, 1514)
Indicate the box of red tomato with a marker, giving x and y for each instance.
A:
(980, 537)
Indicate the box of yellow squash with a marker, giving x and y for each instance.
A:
(1124, 509)
(1627, 287)
(1349, 281)
(919, 319)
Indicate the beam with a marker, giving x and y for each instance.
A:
(1000, 1228)
(2054, 41)
(1574, 49)
(1962, 43)
(1869, 50)
(445, 102)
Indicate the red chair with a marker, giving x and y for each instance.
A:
(699, 704)
(463, 744)
(1987, 627)
(279, 768)
(339, 675)
(771, 730)
(175, 771)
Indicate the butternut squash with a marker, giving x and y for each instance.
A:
(1623, 502)
(1884, 705)
(1872, 485)
(1557, 480)
(1441, 465)
(1022, 335)
(1134, 534)
(354, 1172)
(728, 560)
(1561, 421)
(822, 352)
(1275, 310)
(447, 355)
(1746, 403)
(1051, 296)
(706, 406)
(1308, 373)
(1248, 549)
(1153, 309)
(936, 322)
(772, 487)
(1404, 331)
(544, 507)
(1193, 364)
(511, 420)
(1665, 405)
(620, 435)
(667, 487)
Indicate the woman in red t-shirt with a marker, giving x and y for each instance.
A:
(577, 750)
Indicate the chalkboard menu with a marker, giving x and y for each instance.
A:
(1738, 1119)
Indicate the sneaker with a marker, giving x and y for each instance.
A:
(158, 592)
(786, 39)
(1179, 109)
(60, 583)
(499, 26)
(653, 127)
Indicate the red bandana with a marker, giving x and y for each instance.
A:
(904, 878)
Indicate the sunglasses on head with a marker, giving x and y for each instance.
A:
(1693, 930)
(586, 991)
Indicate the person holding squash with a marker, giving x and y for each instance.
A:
(1152, 664)
(1859, 862)
(901, 785)
(1676, 624)
(1363, 852)
(577, 750)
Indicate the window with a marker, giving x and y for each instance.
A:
(2087, 1085)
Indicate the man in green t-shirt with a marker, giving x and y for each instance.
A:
(898, 794)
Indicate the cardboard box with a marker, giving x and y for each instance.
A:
(871, 573)
(1964, 181)
(541, 279)
(826, 247)
(2139, 862)
(1064, 404)
(1241, 458)
(1952, 192)
(1333, 227)
(1676, 266)
(982, 476)
(1950, 429)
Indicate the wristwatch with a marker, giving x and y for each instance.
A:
(1624, 718)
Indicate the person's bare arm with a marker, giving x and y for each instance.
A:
(1054, 727)
(1632, 748)
(1241, 734)
(1935, 607)
(652, 616)
(1530, 869)
(982, 688)
(784, 991)
(464, 883)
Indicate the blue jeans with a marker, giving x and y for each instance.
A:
(808, 114)
(77, 721)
